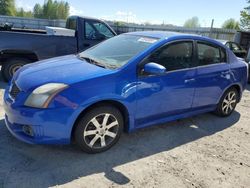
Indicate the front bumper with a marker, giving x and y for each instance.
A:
(49, 126)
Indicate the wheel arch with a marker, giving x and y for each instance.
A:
(237, 86)
(16, 53)
(117, 104)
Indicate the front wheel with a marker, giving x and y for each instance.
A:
(227, 103)
(99, 129)
(11, 66)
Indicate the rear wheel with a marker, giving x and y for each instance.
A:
(228, 102)
(11, 66)
(99, 129)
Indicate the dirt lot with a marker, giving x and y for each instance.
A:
(203, 151)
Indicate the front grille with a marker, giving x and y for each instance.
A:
(14, 91)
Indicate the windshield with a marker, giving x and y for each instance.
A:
(117, 51)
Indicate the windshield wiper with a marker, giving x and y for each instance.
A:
(92, 61)
(112, 66)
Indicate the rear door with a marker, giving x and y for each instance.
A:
(213, 74)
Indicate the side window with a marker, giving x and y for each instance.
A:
(174, 56)
(209, 54)
(97, 30)
(103, 29)
(90, 32)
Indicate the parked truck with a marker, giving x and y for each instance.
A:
(21, 46)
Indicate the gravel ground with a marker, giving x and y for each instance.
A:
(202, 151)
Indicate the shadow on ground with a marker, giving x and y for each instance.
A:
(24, 165)
(248, 87)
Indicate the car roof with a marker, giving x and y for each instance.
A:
(159, 34)
(223, 41)
(86, 17)
(175, 35)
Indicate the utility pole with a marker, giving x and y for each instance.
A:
(211, 28)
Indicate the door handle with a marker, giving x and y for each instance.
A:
(225, 74)
(189, 80)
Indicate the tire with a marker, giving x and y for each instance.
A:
(11, 66)
(227, 103)
(99, 129)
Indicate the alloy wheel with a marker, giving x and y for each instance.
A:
(229, 102)
(101, 131)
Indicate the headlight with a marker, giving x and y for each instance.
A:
(41, 96)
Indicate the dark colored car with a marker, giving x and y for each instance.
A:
(21, 46)
(125, 83)
(238, 50)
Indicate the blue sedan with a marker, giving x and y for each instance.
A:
(128, 82)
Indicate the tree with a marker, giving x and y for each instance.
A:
(7, 7)
(192, 22)
(22, 13)
(245, 17)
(52, 10)
(231, 24)
(119, 23)
(38, 11)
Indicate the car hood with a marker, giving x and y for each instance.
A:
(66, 69)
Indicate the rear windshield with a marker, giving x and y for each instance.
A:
(71, 23)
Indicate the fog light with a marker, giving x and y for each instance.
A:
(28, 130)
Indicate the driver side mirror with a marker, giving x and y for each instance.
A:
(154, 69)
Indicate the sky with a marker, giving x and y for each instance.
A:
(174, 12)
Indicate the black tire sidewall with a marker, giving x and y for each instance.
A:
(9, 63)
(82, 123)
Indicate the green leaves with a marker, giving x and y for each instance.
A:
(192, 23)
(231, 24)
(7, 7)
(49, 10)
(52, 10)
(245, 17)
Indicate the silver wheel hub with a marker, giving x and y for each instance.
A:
(229, 102)
(101, 131)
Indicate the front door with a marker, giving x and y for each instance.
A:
(169, 94)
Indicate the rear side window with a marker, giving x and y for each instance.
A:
(174, 56)
(209, 54)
